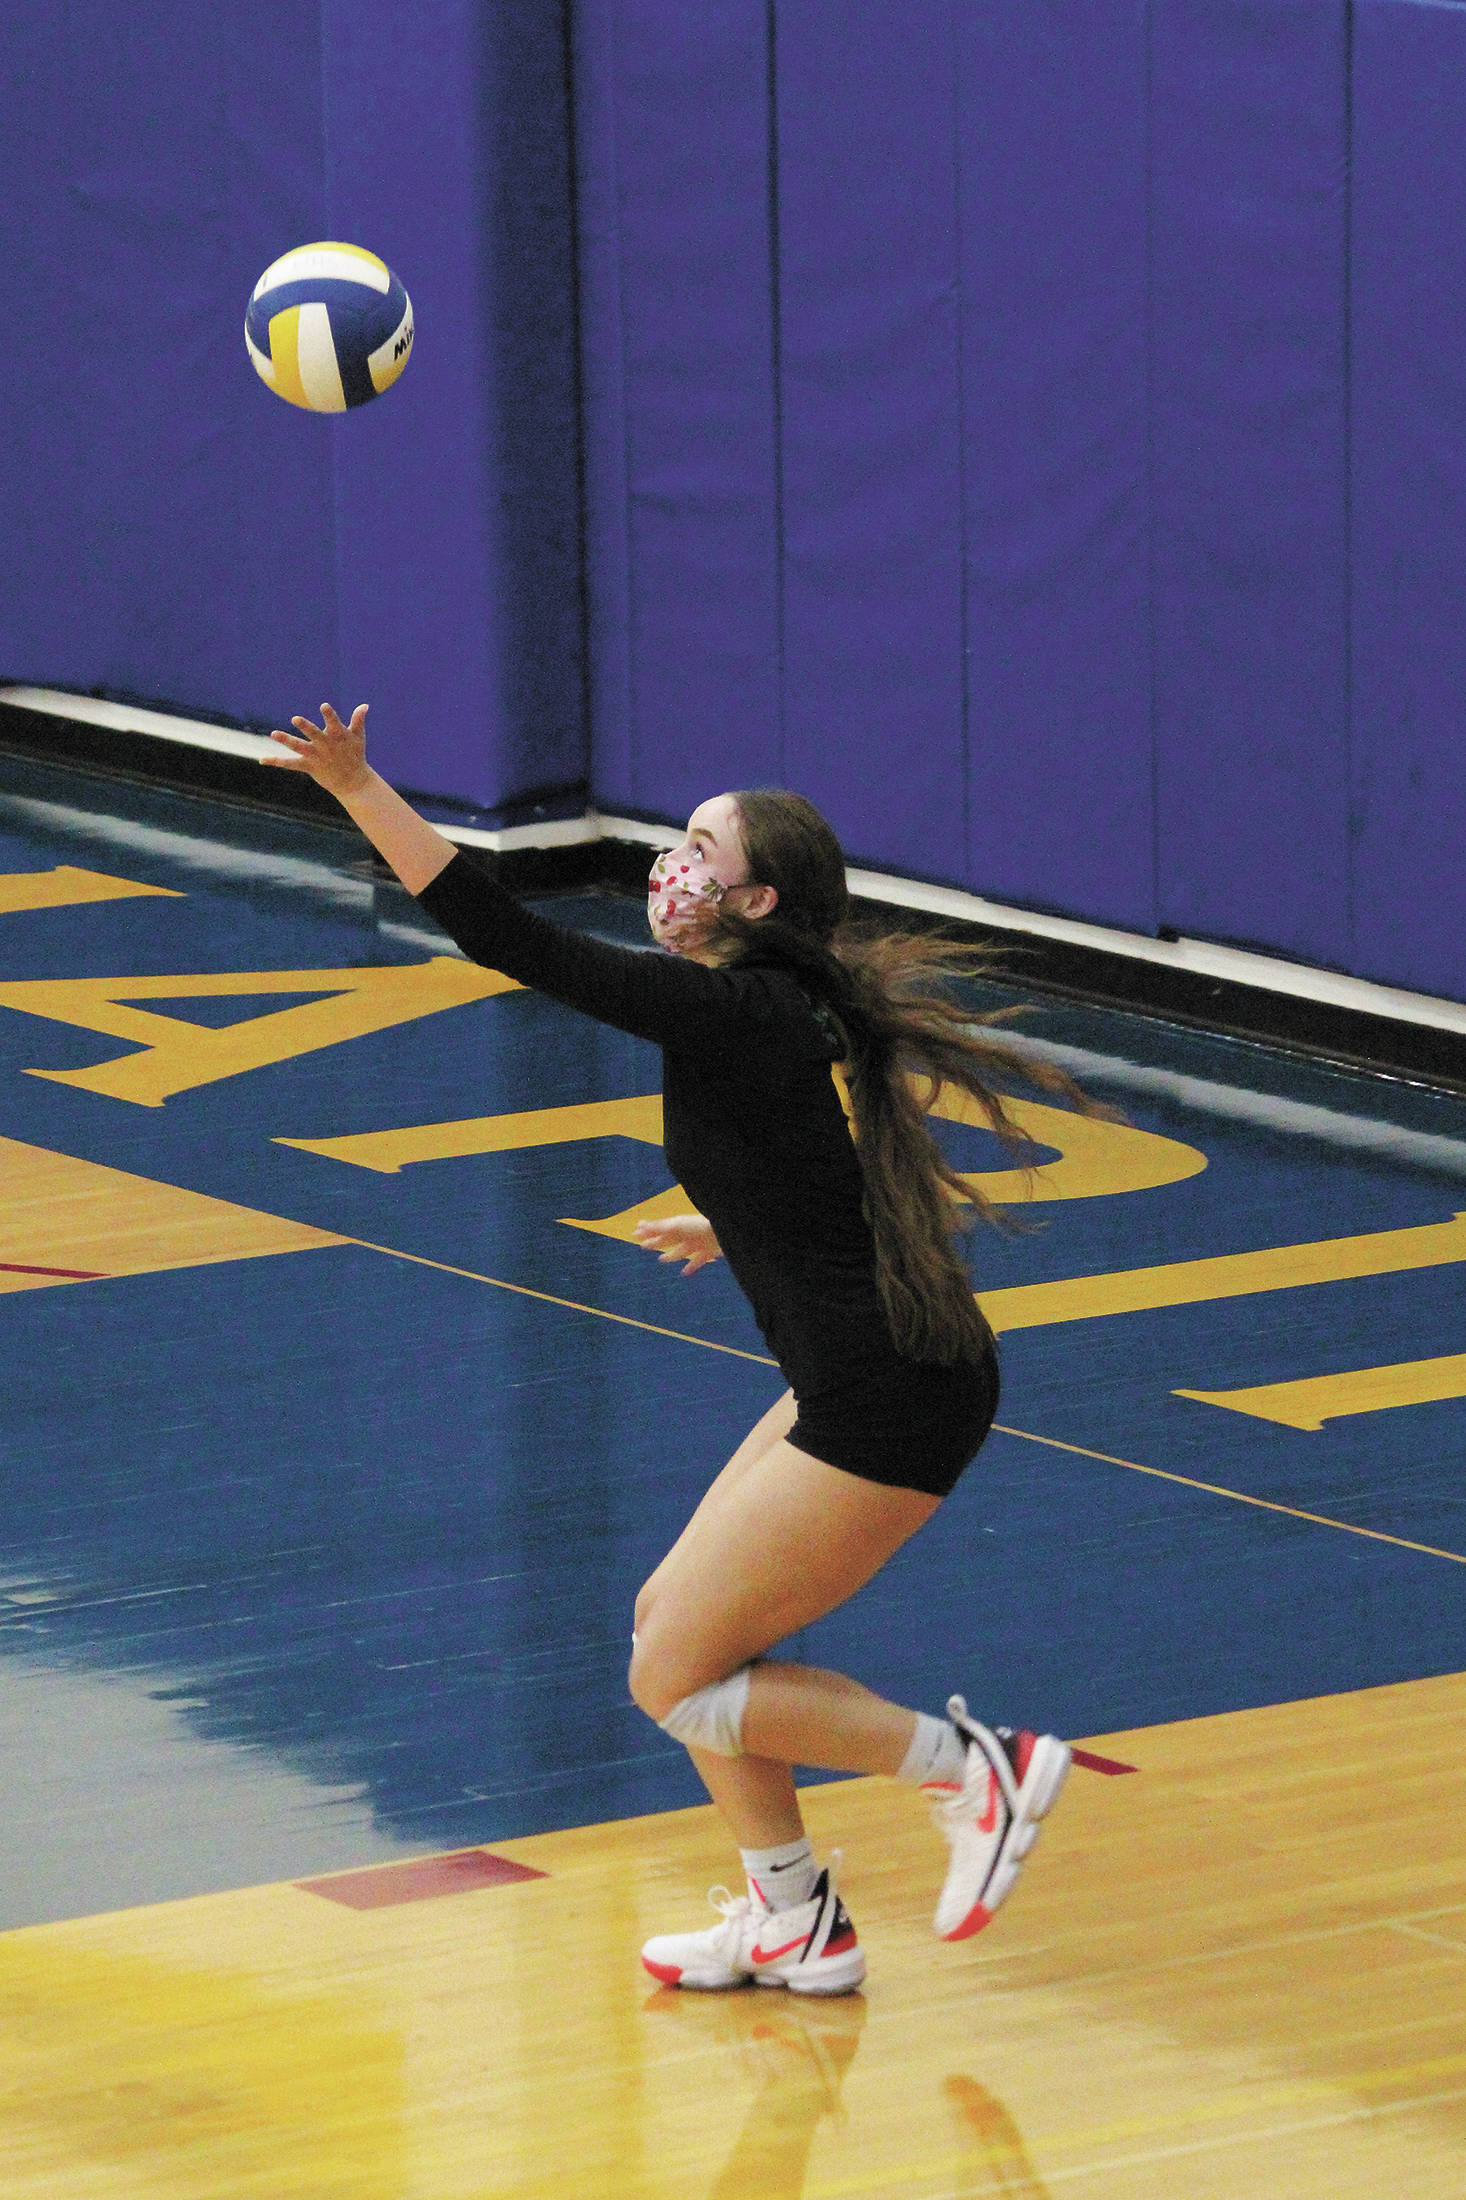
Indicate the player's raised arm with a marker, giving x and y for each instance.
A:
(334, 755)
(668, 997)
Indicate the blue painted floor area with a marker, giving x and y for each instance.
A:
(318, 1559)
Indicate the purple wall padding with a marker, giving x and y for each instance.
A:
(603, 397)
(1053, 214)
(870, 428)
(168, 519)
(1249, 114)
(1013, 496)
(1409, 494)
(457, 550)
(673, 135)
(188, 539)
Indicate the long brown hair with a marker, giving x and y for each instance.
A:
(904, 1039)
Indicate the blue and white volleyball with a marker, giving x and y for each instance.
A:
(329, 326)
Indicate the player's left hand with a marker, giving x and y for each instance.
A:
(687, 1238)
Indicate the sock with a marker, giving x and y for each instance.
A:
(938, 1754)
(782, 1877)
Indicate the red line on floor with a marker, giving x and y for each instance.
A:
(74, 1275)
(419, 1879)
(1088, 1759)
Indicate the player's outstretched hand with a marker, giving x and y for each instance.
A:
(687, 1238)
(334, 754)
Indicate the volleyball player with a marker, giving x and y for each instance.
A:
(841, 1232)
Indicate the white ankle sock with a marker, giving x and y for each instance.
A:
(937, 1754)
(782, 1877)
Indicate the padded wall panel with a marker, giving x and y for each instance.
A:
(413, 476)
(870, 427)
(166, 515)
(607, 495)
(1052, 119)
(457, 541)
(1249, 429)
(1409, 494)
(190, 540)
(675, 157)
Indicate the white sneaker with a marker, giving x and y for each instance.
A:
(811, 1949)
(991, 1820)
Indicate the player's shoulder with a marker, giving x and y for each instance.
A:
(772, 1003)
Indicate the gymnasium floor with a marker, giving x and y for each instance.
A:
(340, 1421)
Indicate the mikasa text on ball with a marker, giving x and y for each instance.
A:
(329, 326)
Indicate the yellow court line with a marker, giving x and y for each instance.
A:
(680, 1336)
(549, 1298)
(1215, 1489)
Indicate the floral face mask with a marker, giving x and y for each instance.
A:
(682, 894)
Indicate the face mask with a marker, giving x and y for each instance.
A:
(682, 894)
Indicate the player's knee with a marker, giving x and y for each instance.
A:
(709, 1718)
(653, 1679)
(646, 1665)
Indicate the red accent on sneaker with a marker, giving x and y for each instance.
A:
(1023, 1747)
(841, 1942)
(940, 1787)
(978, 1916)
(989, 1818)
(668, 1973)
(772, 1955)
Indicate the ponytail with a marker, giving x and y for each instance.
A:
(904, 1041)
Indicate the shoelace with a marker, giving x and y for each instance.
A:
(734, 1910)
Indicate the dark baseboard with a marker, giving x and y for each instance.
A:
(1385, 1046)
(1353, 1038)
(175, 764)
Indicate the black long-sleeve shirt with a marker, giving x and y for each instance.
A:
(753, 1124)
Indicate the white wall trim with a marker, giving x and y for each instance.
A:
(1205, 958)
(91, 710)
(1202, 958)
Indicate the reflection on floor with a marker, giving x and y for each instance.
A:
(1239, 1971)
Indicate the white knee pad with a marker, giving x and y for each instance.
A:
(712, 1718)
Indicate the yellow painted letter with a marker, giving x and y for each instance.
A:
(179, 1056)
(1314, 1399)
(1095, 1158)
(66, 886)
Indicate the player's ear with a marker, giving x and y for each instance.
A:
(761, 902)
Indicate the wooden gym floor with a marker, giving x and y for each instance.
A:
(340, 1420)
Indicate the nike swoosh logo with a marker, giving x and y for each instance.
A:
(772, 1955)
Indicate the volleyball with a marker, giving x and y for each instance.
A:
(329, 326)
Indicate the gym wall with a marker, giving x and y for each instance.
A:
(1036, 428)
(180, 537)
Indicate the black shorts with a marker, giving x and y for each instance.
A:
(912, 1427)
